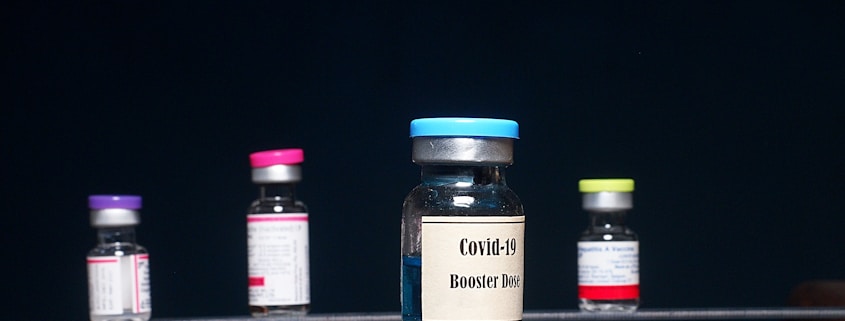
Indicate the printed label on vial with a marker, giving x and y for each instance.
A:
(472, 267)
(277, 250)
(141, 299)
(608, 270)
(119, 283)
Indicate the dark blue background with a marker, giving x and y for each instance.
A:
(729, 115)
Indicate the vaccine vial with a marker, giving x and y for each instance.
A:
(277, 237)
(608, 251)
(118, 268)
(462, 227)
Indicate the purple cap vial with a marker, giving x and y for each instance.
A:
(114, 210)
(130, 202)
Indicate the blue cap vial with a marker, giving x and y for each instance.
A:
(464, 127)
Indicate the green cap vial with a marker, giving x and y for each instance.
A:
(609, 194)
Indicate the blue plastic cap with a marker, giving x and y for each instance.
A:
(464, 127)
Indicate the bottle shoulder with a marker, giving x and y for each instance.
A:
(457, 199)
(117, 249)
(608, 235)
(272, 205)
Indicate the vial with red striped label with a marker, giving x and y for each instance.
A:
(118, 268)
(608, 251)
(277, 237)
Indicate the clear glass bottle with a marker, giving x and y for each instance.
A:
(608, 251)
(277, 237)
(118, 268)
(463, 222)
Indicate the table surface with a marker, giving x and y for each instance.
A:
(643, 314)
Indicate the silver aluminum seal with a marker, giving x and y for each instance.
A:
(607, 201)
(462, 150)
(277, 174)
(113, 217)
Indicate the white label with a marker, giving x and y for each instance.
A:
(277, 249)
(472, 267)
(608, 263)
(141, 301)
(118, 283)
(105, 293)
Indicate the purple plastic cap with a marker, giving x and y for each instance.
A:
(99, 202)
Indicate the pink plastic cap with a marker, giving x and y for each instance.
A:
(291, 156)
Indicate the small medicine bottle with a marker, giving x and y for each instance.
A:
(277, 237)
(462, 227)
(608, 251)
(118, 268)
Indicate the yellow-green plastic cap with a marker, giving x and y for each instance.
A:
(606, 185)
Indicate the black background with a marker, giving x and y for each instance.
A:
(729, 115)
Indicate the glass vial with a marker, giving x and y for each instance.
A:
(118, 268)
(277, 237)
(462, 227)
(608, 251)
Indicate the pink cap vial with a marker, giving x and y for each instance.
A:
(277, 166)
(290, 156)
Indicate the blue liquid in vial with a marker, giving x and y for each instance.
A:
(411, 288)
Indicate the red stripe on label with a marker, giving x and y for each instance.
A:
(137, 286)
(256, 281)
(615, 292)
(90, 261)
(144, 256)
(256, 219)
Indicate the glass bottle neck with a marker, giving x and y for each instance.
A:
(474, 175)
(118, 234)
(277, 191)
(607, 222)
